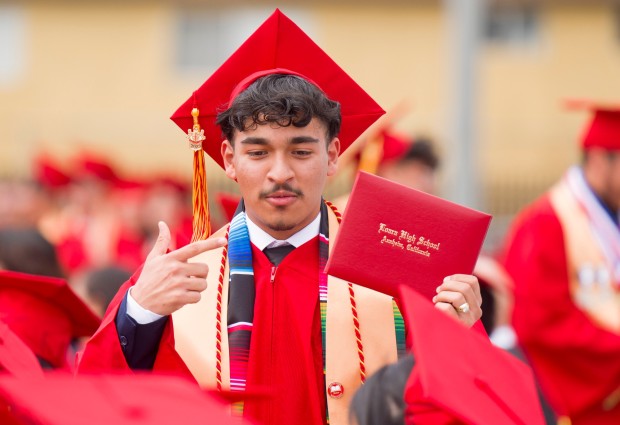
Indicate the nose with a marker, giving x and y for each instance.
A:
(280, 171)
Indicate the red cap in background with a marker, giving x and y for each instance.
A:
(460, 374)
(44, 313)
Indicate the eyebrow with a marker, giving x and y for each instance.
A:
(303, 139)
(254, 141)
(262, 141)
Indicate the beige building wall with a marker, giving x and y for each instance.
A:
(102, 75)
(97, 76)
(527, 136)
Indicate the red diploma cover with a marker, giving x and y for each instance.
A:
(391, 234)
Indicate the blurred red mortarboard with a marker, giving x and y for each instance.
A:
(603, 129)
(89, 165)
(278, 46)
(394, 146)
(16, 358)
(45, 313)
(49, 174)
(385, 147)
(171, 182)
(459, 373)
(61, 399)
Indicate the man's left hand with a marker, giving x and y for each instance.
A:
(459, 297)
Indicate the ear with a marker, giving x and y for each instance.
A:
(228, 154)
(333, 151)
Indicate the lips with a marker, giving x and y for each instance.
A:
(281, 198)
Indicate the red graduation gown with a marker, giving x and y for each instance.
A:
(286, 348)
(576, 361)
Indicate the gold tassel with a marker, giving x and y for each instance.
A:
(200, 198)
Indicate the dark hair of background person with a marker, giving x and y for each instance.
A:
(102, 285)
(380, 401)
(25, 250)
(488, 301)
(280, 99)
(422, 150)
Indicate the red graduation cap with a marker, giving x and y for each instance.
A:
(386, 147)
(61, 399)
(458, 372)
(48, 173)
(170, 181)
(277, 46)
(90, 165)
(16, 358)
(395, 146)
(603, 129)
(45, 313)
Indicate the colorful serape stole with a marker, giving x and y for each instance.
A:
(323, 255)
(399, 328)
(241, 302)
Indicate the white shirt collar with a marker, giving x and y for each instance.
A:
(262, 239)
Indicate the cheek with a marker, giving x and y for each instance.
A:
(311, 174)
(615, 176)
(246, 172)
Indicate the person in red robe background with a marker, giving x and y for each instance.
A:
(267, 317)
(563, 253)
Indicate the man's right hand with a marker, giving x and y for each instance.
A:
(168, 281)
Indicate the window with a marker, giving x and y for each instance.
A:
(512, 22)
(206, 37)
(12, 46)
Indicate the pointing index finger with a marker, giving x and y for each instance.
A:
(198, 247)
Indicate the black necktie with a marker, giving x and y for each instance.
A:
(277, 254)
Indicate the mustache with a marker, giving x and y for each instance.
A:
(278, 187)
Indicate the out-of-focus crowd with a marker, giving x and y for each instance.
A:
(81, 220)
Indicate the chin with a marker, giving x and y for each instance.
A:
(281, 227)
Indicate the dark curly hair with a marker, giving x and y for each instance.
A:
(381, 400)
(281, 99)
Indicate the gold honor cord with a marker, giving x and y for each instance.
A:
(200, 198)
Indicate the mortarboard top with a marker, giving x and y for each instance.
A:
(603, 129)
(45, 313)
(459, 372)
(16, 358)
(277, 46)
(61, 399)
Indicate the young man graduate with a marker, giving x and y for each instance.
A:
(267, 316)
(563, 253)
